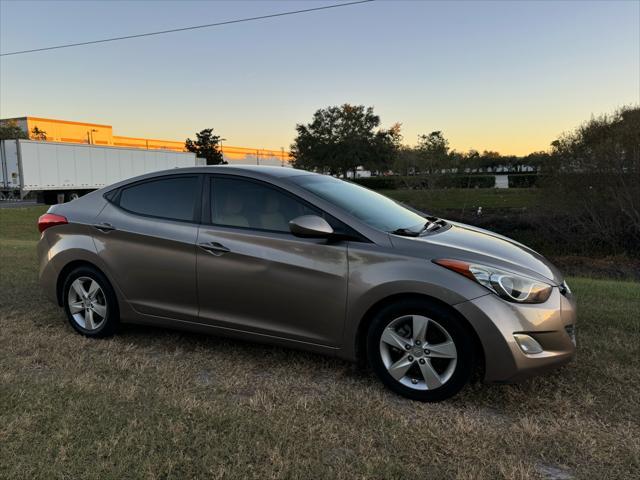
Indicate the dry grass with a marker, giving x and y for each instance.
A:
(152, 403)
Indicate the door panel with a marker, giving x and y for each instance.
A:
(273, 283)
(153, 259)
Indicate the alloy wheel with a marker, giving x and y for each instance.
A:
(87, 303)
(418, 352)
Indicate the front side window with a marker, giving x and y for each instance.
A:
(171, 198)
(242, 203)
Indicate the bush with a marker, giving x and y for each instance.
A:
(597, 209)
(593, 177)
(379, 183)
(465, 181)
(525, 180)
(426, 182)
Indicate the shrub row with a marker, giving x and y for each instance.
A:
(525, 180)
(558, 233)
(425, 182)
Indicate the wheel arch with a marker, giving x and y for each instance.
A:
(363, 327)
(68, 268)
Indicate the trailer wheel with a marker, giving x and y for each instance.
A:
(72, 196)
(50, 198)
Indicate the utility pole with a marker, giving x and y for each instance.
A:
(222, 151)
(282, 156)
(257, 157)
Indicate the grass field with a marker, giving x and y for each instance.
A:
(468, 199)
(151, 403)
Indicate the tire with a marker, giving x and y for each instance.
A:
(96, 314)
(49, 198)
(427, 368)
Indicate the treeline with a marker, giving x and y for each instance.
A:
(432, 155)
(341, 139)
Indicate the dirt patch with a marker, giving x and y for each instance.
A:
(553, 472)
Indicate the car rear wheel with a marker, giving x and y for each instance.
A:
(90, 303)
(420, 350)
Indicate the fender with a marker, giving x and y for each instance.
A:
(77, 247)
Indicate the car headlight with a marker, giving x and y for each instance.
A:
(507, 285)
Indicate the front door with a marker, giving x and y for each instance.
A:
(255, 276)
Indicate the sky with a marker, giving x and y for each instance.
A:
(502, 76)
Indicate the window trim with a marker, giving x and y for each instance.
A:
(206, 218)
(197, 210)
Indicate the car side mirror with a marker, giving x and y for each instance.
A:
(310, 226)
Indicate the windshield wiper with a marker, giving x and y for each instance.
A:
(405, 232)
(433, 224)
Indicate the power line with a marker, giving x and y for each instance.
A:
(183, 29)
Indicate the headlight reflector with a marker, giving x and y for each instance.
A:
(507, 285)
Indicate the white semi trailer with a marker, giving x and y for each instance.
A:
(56, 172)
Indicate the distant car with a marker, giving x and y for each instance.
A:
(302, 260)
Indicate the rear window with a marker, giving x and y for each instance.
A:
(172, 198)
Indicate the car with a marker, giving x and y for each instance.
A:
(298, 259)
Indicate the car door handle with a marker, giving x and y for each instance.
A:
(104, 227)
(214, 248)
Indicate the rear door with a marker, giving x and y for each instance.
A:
(146, 235)
(255, 276)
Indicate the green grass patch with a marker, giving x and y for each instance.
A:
(469, 199)
(152, 403)
(20, 223)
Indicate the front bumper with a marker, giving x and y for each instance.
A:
(551, 324)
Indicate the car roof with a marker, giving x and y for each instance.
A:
(256, 171)
(262, 170)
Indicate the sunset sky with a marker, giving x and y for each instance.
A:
(491, 75)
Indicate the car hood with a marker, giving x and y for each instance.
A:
(476, 245)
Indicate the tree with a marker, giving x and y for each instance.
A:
(433, 151)
(207, 146)
(10, 130)
(37, 134)
(593, 174)
(406, 161)
(342, 138)
(490, 160)
(536, 160)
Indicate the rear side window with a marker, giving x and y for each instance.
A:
(172, 198)
(247, 204)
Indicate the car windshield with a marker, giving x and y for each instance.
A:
(368, 206)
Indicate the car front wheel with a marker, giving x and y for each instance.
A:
(420, 350)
